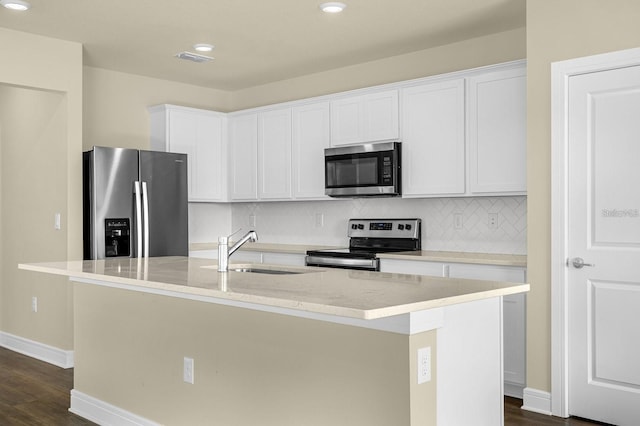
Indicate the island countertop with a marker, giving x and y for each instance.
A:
(341, 292)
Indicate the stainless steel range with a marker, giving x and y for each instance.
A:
(367, 238)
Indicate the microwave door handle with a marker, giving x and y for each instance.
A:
(136, 192)
(145, 217)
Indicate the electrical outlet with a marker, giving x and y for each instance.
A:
(56, 222)
(493, 221)
(187, 374)
(457, 221)
(252, 220)
(34, 304)
(424, 365)
(319, 220)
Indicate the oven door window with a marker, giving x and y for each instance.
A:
(352, 170)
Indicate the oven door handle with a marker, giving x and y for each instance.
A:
(371, 264)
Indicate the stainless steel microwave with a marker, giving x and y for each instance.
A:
(363, 170)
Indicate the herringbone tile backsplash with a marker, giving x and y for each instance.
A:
(325, 222)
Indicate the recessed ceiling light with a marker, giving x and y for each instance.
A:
(15, 4)
(203, 47)
(332, 7)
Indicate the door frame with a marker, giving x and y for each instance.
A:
(560, 74)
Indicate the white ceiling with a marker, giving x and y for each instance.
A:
(257, 41)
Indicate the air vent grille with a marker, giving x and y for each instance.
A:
(194, 57)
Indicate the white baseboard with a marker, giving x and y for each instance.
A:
(46, 353)
(103, 413)
(537, 401)
(514, 390)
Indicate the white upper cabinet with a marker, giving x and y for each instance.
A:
(243, 157)
(310, 138)
(497, 132)
(365, 118)
(274, 154)
(200, 134)
(433, 139)
(462, 134)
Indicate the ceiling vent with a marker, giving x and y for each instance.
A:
(190, 56)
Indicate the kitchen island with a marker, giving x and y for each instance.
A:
(299, 346)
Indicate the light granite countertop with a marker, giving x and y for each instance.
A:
(341, 292)
(424, 255)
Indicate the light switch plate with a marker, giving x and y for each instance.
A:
(188, 370)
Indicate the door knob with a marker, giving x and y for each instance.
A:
(578, 263)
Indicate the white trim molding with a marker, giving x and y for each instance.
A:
(52, 355)
(560, 75)
(104, 413)
(514, 390)
(537, 401)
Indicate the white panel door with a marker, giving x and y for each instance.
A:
(274, 154)
(604, 231)
(433, 150)
(309, 140)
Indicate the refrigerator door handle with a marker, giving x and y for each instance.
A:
(145, 212)
(136, 190)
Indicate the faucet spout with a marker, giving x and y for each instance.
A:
(224, 251)
(249, 236)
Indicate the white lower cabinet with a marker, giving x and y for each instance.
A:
(435, 269)
(514, 308)
(289, 259)
(252, 256)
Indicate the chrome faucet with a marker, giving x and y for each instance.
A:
(224, 251)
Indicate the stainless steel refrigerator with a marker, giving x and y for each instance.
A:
(135, 203)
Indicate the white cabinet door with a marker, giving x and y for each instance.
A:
(433, 148)
(398, 266)
(274, 154)
(365, 118)
(289, 259)
(310, 138)
(381, 116)
(199, 134)
(346, 121)
(243, 158)
(497, 132)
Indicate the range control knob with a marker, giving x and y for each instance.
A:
(407, 227)
(360, 226)
(354, 226)
(401, 227)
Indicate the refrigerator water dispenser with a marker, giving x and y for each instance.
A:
(117, 237)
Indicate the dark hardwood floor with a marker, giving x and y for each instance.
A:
(515, 416)
(33, 392)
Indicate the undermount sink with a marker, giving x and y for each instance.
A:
(266, 271)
